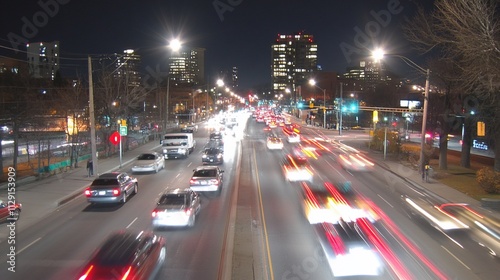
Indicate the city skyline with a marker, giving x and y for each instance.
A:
(234, 34)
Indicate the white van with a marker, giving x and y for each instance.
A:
(177, 145)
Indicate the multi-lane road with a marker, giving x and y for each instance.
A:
(283, 244)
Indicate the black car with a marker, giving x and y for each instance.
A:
(212, 155)
(215, 144)
(216, 136)
(127, 255)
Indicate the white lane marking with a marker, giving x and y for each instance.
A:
(190, 164)
(132, 222)
(385, 200)
(456, 258)
(26, 247)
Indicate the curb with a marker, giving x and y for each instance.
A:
(24, 180)
(79, 191)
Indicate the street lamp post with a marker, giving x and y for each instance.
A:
(313, 83)
(378, 54)
(174, 45)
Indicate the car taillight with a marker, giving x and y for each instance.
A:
(214, 181)
(127, 273)
(187, 211)
(87, 273)
(116, 192)
(192, 182)
(88, 192)
(154, 213)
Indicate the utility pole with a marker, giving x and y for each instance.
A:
(92, 121)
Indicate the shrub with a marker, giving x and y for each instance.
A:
(489, 180)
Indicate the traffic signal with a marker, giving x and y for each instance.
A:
(481, 129)
(375, 116)
(353, 106)
(311, 104)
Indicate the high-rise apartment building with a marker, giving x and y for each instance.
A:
(187, 67)
(294, 58)
(43, 59)
(128, 67)
(124, 66)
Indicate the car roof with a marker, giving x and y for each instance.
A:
(206, 167)
(120, 248)
(212, 150)
(177, 191)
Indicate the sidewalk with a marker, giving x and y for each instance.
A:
(44, 196)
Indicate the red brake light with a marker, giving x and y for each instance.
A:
(192, 182)
(187, 211)
(154, 213)
(87, 272)
(116, 192)
(214, 181)
(125, 276)
(87, 192)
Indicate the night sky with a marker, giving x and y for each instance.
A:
(239, 33)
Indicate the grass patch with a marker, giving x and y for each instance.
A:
(462, 179)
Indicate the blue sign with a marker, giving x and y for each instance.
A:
(481, 145)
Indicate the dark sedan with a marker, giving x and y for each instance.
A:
(127, 255)
(114, 187)
(212, 156)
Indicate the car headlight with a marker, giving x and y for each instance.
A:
(219, 156)
(204, 156)
(183, 151)
(164, 151)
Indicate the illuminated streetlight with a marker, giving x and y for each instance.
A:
(312, 82)
(175, 45)
(379, 54)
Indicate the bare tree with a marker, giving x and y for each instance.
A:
(117, 99)
(467, 33)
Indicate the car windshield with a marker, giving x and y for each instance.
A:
(205, 173)
(146, 157)
(173, 199)
(212, 151)
(105, 182)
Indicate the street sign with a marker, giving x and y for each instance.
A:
(114, 138)
(123, 130)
